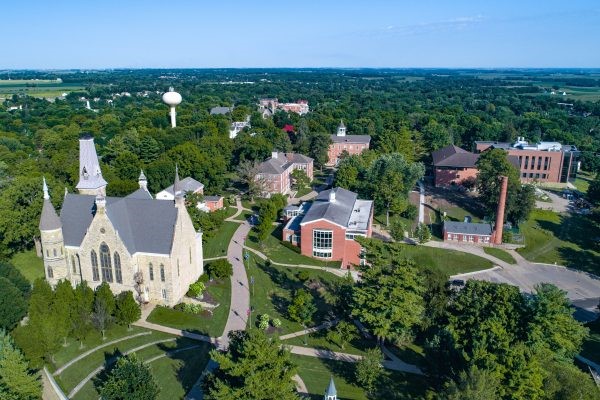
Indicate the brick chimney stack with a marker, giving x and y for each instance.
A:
(501, 209)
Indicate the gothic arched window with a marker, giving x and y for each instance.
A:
(105, 264)
(50, 272)
(162, 272)
(73, 264)
(118, 275)
(95, 274)
(54, 252)
(151, 271)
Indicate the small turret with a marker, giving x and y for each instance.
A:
(142, 181)
(331, 392)
(341, 130)
(51, 235)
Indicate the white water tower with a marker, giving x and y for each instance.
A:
(172, 99)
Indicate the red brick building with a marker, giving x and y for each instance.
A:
(212, 203)
(274, 173)
(352, 144)
(467, 232)
(541, 162)
(453, 166)
(326, 228)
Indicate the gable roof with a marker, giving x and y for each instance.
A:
(276, 166)
(468, 228)
(187, 184)
(338, 211)
(220, 110)
(360, 139)
(144, 225)
(454, 156)
(139, 194)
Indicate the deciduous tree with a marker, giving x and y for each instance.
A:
(130, 379)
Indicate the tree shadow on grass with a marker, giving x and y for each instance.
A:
(110, 360)
(191, 362)
(584, 260)
(280, 303)
(577, 229)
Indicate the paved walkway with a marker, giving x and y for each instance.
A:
(395, 364)
(240, 294)
(421, 202)
(300, 386)
(303, 332)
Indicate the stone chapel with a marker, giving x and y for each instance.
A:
(135, 243)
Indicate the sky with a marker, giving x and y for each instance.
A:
(81, 34)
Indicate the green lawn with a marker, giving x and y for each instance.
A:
(562, 239)
(216, 246)
(304, 191)
(203, 324)
(501, 254)
(244, 215)
(175, 373)
(229, 211)
(319, 340)
(316, 373)
(450, 262)
(30, 265)
(583, 180)
(277, 252)
(274, 287)
(70, 377)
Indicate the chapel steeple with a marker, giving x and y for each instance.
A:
(331, 392)
(142, 181)
(49, 220)
(177, 190)
(90, 175)
(341, 129)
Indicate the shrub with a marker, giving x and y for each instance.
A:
(276, 322)
(188, 308)
(219, 269)
(204, 278)
(290, 246)
(196, 289)
(264, 321)
(303, 276)
(410, 212)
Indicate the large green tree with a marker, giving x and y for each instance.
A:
(130, 379)
(12, 304)
(389, 297)
(17, 382)
(255, 367)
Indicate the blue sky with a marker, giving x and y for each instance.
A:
(230, 33)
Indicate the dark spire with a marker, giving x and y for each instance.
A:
(176, 185)
(49, 220)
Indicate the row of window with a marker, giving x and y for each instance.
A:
(468, 238)
(162, 271)
(322, 243)
(54, 252)
(106, 266)
(532, 165)
(531, 175)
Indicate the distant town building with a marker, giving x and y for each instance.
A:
(274, 174)
(186, 185)
(237, 127)
(342, 142)
(542, 162)
(268, 106)
(220, 110)
(326, 228)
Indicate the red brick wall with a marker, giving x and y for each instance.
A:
(550, 165)
(445, 177)
(336, 149)
(215, 205)
(464, 238)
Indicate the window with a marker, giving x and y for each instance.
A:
(95, 273)
(524, 175)
(50, 272)
(73, 265)
(162, 273)
(190, 256)
(532, 162)
(105, 264)
(544, 176)
(164, 294)
(526, 162)
(322, 243)
(540, 163)
(118, 274)
(151, 271)
(54, 252)
(530, 175)
(449, 236)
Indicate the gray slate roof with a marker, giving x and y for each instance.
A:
(338, 211)
(212, 198)
(331, 389)
(360, 139)
(144, 225)
(139, 194)
(90, 175)
(220, 110)
(187, 184)
(467, 228)
(276, 166)
(49, 220)
(454, 156)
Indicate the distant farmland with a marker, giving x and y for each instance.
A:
(37, 87)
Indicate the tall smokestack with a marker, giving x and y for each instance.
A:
(501, 208)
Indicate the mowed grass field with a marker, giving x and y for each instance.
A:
(30, 265)
(37, 88)
(569, 240)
